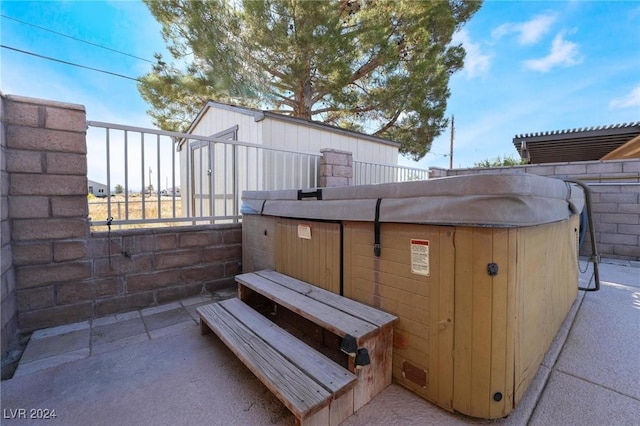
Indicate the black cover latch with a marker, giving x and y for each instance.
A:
(317, 194)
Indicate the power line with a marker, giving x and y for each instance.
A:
(77, 39)
(67, 63)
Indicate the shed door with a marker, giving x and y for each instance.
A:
(201, 178)
(213, 176)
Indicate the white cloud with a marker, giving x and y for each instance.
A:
(631, 99)
(475, 62)
(529, 32)
(563, 53)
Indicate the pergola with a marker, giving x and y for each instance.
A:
(585, 144)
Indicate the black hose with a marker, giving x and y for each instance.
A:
(595, 259)
(584, 225)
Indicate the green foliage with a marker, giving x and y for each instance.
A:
(506, 160)
(119, 189)
(382, 66)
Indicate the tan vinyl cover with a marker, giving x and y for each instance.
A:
(495, 200)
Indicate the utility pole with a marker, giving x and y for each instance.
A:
(149, 181)
(451, 146)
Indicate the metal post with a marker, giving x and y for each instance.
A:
(158, 179)
(451, 146)
(126, 176)
(236, 187)
(108, 176)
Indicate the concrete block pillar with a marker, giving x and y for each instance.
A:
(46, 175)
(8, 309)
(336, 168)
(437, 172)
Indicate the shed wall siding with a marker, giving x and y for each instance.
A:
(217, 120)
(293, 137)
(275, 170)
(300, 138)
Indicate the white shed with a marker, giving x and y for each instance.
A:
(98, 189)
(223, 171)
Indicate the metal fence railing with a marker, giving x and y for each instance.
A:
(152, 177)
(371, 173)
(145, 177)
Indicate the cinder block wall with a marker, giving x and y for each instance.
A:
(8, 309)
(63, 272)
(615, 187)
(65, 281)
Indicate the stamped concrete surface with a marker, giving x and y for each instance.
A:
(179, 379)
(596, 380)
(152, 367)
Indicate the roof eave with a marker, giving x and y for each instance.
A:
(259, 115)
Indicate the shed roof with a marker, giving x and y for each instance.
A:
(259, 115)
(95, 183)
(582, 144)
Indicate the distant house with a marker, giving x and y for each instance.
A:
(274, 168)
(617, 141)
(170, 192)
(97, 189)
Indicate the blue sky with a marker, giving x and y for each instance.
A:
(530, 67)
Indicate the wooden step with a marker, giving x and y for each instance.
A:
(306, 382)
(340, 316)
(336, 319)
(349, 306)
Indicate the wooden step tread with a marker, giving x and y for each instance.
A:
(353, 308)
(327, 373)
(328, 317)
(290, 375)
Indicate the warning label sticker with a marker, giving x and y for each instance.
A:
(420, 257)
(304, 232)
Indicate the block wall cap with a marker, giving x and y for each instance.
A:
(337, 151)
(43, 102)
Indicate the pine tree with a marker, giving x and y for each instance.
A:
(377, 66)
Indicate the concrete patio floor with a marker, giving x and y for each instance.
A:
(153, 367)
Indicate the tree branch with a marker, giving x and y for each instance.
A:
(273, 72)
(391, 122)
(365, 69)
(350, 110)
(285, 100)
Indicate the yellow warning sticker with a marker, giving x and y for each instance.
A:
(420, 257)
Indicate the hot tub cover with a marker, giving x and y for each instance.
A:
(492, 200)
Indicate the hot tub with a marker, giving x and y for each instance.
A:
(480, 270)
